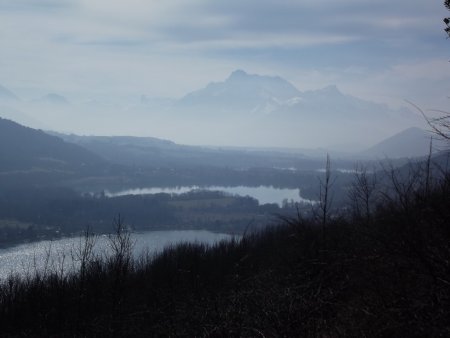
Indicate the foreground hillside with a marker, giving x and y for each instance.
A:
(385, 274)
(30, 149)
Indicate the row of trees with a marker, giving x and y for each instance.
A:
(383, 271)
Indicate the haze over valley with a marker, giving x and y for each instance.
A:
(245, 110)
(224, 168)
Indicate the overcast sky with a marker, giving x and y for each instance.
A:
(383, 50)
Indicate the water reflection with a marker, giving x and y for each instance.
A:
(62, 255)
(264, 194)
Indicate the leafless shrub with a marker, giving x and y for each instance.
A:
(363, 193)
(121, 245)
(84, 253)
(439, 124)
(325, 198)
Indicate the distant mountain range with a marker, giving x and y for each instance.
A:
(32, 157)
(53, 98)
(255, 94)
(7, 96)
(241, 92)
(153, 152)
(257, 110)
(243, 110)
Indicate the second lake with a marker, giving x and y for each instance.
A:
(264, 194)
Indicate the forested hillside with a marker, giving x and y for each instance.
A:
(23, 148)
(381, 274)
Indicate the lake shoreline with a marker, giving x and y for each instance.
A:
(60, 236)
(52, 255)
(264, 194)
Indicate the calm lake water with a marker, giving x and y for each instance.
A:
(62, 253)
(264, 194)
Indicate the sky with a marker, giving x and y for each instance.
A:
(387, 51)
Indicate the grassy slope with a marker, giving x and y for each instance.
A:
(386, 276)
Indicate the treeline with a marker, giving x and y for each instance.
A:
(206, 176)
(115, 177)
(34, 213)
(381, 274)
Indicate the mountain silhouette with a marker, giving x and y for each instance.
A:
(411, 142)
(53, 98)
(23, 148)
(258, 95)
(240, 92)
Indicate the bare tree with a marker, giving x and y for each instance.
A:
(325, 199)
(84, 253)
(120, 264)
(428, 168)
(447, 20)
(362, 192)
(439, 124)
(402, 184)
(121, 246)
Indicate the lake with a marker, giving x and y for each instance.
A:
(61, 254)
(264, 194)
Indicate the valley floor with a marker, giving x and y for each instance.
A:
(383, 275)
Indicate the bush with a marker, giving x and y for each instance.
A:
(386, 275)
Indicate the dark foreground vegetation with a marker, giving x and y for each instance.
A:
(46, 213)
(380, 273)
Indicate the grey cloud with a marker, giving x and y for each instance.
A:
(34, 5)
(112, 42)
(100, 42)
(269, 35)
(365, 18)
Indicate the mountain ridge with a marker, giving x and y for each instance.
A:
(244, 109)
(410, 142)
(30, 149)
(241, 90)
(53, 98)
(272, 95)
